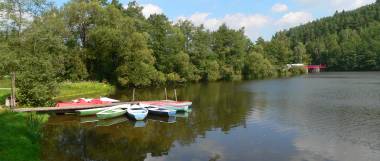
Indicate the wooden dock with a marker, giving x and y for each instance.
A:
(65, 109)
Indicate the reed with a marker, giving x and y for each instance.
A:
(20, 136)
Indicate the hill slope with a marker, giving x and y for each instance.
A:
(347, 41)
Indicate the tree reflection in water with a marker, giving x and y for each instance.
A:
(215, 106)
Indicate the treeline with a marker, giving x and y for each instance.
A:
(103, 41)
(347, 41)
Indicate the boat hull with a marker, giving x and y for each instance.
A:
(89, 112)
(138, 116)
(178, 108)
(166, 103)
(162, 113)
(102, 115)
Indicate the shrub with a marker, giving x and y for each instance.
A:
(36, 83)
(297, 70)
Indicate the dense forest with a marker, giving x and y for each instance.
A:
(104, 41)
(347, 41)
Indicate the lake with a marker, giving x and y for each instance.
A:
(325, 116)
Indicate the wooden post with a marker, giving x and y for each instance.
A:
(175, 94)
(133, 96)
(13, 90)
(166, 94)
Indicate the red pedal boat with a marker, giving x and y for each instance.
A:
(86, 102)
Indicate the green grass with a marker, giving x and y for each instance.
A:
(20, 136)
(5, 83)
(4, 93)
(69, 90)
(66, 90)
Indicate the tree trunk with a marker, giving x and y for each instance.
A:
(13, 90)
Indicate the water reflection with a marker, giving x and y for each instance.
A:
(215, 106)
(171, 119)
(328, 116)
(110, 122)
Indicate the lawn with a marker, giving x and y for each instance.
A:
(4, 93)
(69, 90)
(5, 90)
(66, 90)
(5, 83)
(20, 136)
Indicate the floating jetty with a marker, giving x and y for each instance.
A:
(67, 109)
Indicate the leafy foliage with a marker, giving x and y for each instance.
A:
(346, 41)
(102, 41)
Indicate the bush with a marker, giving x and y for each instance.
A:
(297, 70)
(36, 83)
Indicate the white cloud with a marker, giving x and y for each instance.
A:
(294, 18)
(279, 7)
(256, 24)
(150, 9)
(6, 21)
(251, 22)
(333, 5)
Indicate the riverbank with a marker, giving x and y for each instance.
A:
(5, 90)
(72, 90)
(67, 90)
(20, 136)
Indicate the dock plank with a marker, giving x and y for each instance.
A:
(65, 109)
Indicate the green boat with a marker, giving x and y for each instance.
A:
(89, 112)
(178, 108)
(111, 113)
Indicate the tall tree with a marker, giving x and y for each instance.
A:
(231, 46)
(300, 55)
(278, 50)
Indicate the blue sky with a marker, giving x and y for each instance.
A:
(259, 17)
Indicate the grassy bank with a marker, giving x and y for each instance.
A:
(66, 90)
(5, 82)
(4, 93)
(20, 136)
(5, 90)
(69, 90)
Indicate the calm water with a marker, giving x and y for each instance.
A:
(327, 116)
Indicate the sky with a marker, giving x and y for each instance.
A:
(260, 18)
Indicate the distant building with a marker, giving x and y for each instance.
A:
(295, 65)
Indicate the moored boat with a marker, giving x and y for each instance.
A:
(87, 102)
(89, 112)
(168, 103)
(137, 112)
(179, 106)
(106, 99)
(111, 113)
(178, 103)
(161, 111)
